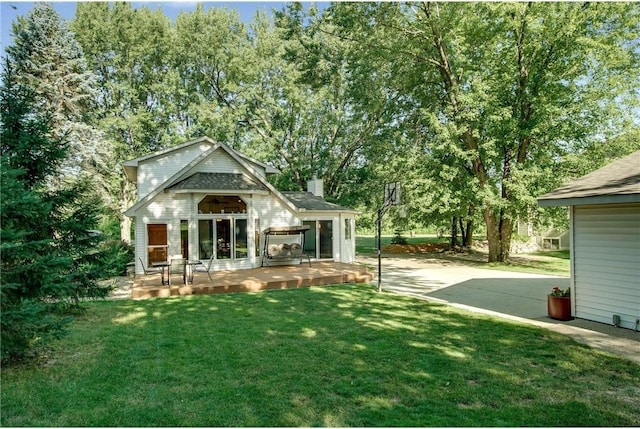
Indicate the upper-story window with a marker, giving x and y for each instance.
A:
(221, 204)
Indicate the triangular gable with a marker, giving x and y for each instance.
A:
(131, 165)
(186, 171)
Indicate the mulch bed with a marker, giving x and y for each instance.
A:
(415, 248)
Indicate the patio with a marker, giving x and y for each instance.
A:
(253, 280)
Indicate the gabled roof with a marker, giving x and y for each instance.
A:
(618, 182)
(251, 181)
(182, 175)
(217, 182)
(308, 201)
(131, 165)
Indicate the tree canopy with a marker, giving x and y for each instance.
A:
(476, 107)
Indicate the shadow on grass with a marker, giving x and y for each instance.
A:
(333, 356)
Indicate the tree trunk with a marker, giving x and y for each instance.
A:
(468, 238)
(127, 200)
(125, 228)
(493, 236)
(499, 230)
(454, 232)
(506, 229)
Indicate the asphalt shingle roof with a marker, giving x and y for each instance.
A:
(240, 182)
(620, 178)
(308, 201)
(218, 182)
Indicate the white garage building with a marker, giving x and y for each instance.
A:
(604, 242)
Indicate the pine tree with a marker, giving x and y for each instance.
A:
(46, 57)
(48, 262)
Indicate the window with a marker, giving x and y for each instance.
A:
(184, 238)
(223, 238)
(310, 238)
(216, 237)
(347, 229)
(205, 239)
(241, 239)
(257, 236)
(218, 204)
(326, 239)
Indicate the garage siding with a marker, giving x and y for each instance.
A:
(607, 262)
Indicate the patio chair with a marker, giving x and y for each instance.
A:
(148, 271)
(201, 267)
(177, 266)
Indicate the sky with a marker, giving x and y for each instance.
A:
(10, 10)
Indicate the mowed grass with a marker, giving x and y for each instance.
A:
(548, 265)
(544, 262)
(366, 244)
(333, 356)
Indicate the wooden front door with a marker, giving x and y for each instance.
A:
(157, 249)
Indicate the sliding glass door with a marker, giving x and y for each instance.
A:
(325, 237)
(226, 238)
(318, 240)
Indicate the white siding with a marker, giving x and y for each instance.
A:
(258, 168)
(155, 171)
(607, 262)
(273, 212)
(165, 208)
(219, 162)
(140, 244)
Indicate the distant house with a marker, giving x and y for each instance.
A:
(549, 239)
(604, 241)
(202, 199)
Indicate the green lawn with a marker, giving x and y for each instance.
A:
(551, 263)
(334, 356)
(560, 254)
(368, 243)
(537, 263)
(548, 262)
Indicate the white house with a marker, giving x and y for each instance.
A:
(604, 241)
(202, 199)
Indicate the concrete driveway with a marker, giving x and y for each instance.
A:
(518, 294)
(511, 295)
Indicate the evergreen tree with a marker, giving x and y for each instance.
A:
(46, 57)
(48, 261)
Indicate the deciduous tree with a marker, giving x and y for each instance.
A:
(507, 88)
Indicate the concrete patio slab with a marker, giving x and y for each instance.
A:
(517, 296)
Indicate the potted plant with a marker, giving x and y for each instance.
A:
(559, 303)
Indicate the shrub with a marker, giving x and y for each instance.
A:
(114, 256)
(398, 238)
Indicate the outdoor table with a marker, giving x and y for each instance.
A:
(164, 265)
(189, 269)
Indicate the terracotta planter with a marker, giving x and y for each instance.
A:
(559, 307)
